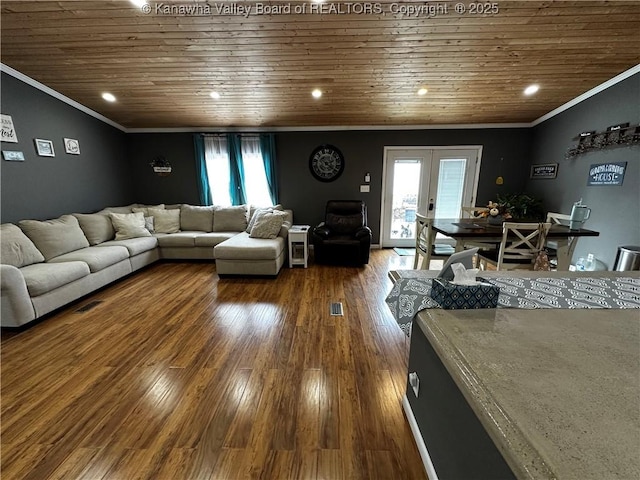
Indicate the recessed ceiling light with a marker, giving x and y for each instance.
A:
(108, 97)
(139, 3)
(531, 89)
(215, 95)
(422, 91)
(316, 93)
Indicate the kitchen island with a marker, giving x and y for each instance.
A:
(556, 390)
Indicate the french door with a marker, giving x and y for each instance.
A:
(435, 182)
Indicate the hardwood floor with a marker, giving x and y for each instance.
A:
(179, 375)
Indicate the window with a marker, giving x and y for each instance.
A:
(218, 163)
(450, 187)
(216, 156)
(255, 178)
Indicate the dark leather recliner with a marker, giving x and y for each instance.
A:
(344, 237)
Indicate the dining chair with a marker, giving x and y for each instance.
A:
(423, 229)
(521, 243)
(552, 245)
(472, 212)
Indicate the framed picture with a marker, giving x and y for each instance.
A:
(44, 147)
(13, 156)
(606, 174)
(8, 131)
(545, 170)
(72, 146)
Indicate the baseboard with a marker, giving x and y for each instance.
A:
(422, 448)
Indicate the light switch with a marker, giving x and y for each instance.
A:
(365, 188)
(414, 381)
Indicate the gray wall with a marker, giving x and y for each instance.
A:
(504, 153)
(46, 187)
(615, 210)
(363, 152)
(178, 187)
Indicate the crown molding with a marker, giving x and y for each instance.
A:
(57, 95)
(594, 91)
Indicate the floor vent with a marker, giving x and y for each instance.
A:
(89, 306)
(336, 309)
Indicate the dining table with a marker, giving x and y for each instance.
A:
(472, 231)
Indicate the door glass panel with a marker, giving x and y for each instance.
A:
(450, 187)
(406, 186)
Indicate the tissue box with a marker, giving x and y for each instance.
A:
(451, 296)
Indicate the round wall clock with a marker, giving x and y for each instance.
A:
(326, 163)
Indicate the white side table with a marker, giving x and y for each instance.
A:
(298, 245)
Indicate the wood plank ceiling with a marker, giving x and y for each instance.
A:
(162, 65)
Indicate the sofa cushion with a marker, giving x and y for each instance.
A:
(145, 209)
(55, 237)
(97, 227)
(242, 247)
(230, 219)
(135, 246)
(165, 221)
(129, 225)
(97, 257)
(181, 239)
(44, 277)
(196, 218)
(268, 224)
(16, 248)
(212, 239)
(125, 209)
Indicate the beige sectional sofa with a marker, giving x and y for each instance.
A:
(47, 264)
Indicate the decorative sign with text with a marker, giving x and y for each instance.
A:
(547, 170)
(602, 174)
(8, 131)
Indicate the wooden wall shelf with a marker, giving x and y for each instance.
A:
(623, 135)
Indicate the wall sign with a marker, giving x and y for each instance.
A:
(601, 174)
(71, 146)
(547, 170)
(13, 156)
(8, 131)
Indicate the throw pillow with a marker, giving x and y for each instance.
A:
(253, 208)
(97, 227)
(148, 224)
(257, 213)
(165, 221)
(129, 225)
(55, 237)
(196, 218)
(145, 209)
(268, 225)
(15, 247)
(125, 209)
(230, 219)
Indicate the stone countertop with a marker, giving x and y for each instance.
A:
(557, 390)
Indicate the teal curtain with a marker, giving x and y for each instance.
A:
(204, 191)
(268, 150)
(236, 170)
